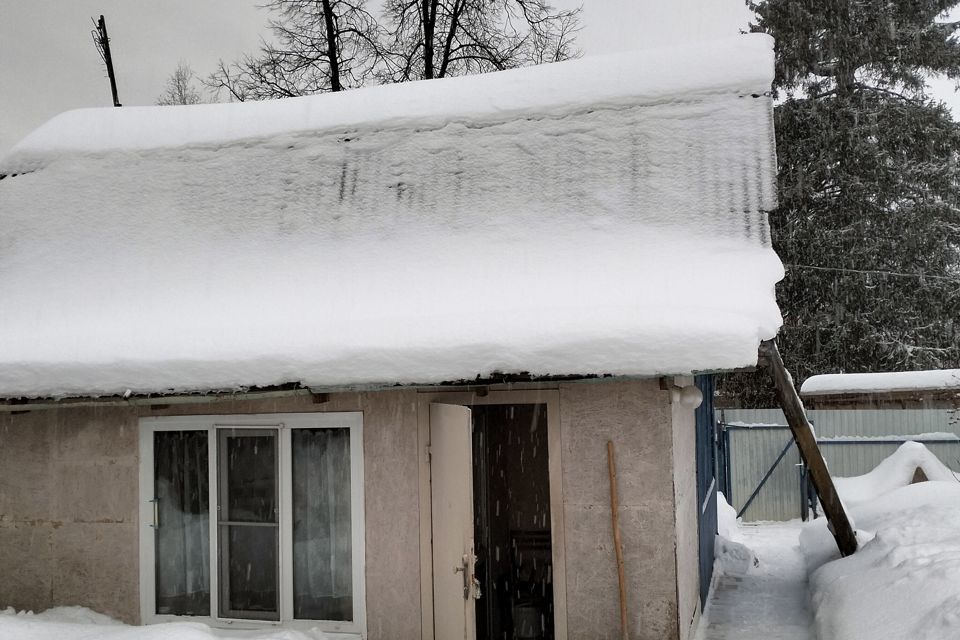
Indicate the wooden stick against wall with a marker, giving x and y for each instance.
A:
(809, 449)
(618, 546)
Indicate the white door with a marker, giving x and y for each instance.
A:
(451, 497)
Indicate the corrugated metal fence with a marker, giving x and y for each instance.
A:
(853, 442)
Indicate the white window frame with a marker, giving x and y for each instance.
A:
(284, 423)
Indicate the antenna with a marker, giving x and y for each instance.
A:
(102, 43)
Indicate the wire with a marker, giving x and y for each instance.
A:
(919, 276)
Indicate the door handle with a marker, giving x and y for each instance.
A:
(156, 513)
(467, 567)
(464, 568)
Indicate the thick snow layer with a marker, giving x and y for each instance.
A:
(731, 556)
(892, 473)
(917, 437)
(904, 581)
(740, 66)
(577, 218)
(78, 623)
(890, 382)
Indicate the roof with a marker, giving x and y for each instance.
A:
(599, 216)
(889, 382)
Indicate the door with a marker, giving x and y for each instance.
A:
(706, 483)
(248, 520)
(451, 498)
(512, 522)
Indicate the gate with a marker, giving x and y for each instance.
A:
(761, 473)
(706, 482)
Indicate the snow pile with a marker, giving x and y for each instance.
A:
(731, 555)
(78, 623)
(892, 473)
(602, 216)
(890, 382)
(904, 581)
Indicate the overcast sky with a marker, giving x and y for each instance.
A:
(48, 63)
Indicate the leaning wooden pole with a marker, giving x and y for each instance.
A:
(102, 42)
(809, 450)
(617, 544)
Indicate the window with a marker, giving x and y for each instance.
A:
(253, 520)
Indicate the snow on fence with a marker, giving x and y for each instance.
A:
(853, 443)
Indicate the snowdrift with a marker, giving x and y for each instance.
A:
(904, 582)
(79, 623)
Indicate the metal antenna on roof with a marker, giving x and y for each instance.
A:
(102, 43)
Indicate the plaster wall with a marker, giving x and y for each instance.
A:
(685, 499)
(636, 416)
(68, 506)
(69, 512)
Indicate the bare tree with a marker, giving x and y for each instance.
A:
(437, 38)
(180, 88)
(319, 45)
(331, 45)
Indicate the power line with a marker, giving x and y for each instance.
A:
(919, 276)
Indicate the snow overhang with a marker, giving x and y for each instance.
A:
(603, 216)
(937, 380)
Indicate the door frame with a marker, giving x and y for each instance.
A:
(469, 398)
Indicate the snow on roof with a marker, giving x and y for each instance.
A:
(600, 216)
(891, 382)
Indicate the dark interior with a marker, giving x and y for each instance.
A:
(512, 522)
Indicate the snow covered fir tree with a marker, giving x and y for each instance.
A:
(868, 225)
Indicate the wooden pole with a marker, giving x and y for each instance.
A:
(809, 450)
(618, 546)
(102, 41)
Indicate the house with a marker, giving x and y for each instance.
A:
(352, 361)
(932, 389)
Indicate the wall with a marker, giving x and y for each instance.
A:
(68, 510)
(636, 416)
(686, 506)
(68, 504)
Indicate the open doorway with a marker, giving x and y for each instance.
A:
(512, 522)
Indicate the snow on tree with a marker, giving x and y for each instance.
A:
(868, 224)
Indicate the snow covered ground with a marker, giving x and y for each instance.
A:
(760, 583)
(904, 581)
(78, 623)
(786, 580)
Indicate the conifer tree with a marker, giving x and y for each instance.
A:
(868, 224)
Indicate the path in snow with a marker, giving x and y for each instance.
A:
(770, 602)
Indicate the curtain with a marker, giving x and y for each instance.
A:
(183, 534)
(322, 543)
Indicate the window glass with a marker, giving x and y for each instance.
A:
(181, 484)
(249, 565)
(240, 540)
(322, 543)
(249, 524)
(250, 491)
